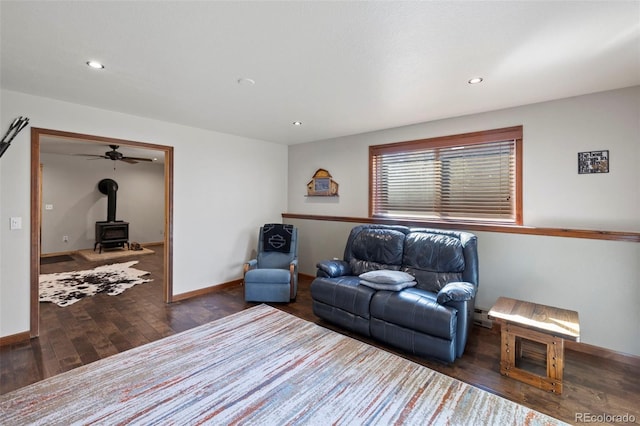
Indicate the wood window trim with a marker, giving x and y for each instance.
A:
(473, 138)
(633, 237)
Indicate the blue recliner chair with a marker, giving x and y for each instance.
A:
(273, 275)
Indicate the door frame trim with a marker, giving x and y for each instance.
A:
(35, 220)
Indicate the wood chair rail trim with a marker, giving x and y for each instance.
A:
(633, 237)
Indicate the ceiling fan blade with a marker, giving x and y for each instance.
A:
(137, 158)
(130, 160)
(90, 155)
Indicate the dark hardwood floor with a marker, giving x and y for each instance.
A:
(103, 325)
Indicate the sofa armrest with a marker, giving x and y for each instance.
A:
(333, 268)
(457, 292)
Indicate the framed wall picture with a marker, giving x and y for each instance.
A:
(593, 162)
(322, 185)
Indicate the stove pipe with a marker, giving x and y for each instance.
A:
(109, 187)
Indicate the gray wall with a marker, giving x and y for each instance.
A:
(599, 279)
(70, 185)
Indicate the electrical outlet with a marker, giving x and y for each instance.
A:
(65, 238)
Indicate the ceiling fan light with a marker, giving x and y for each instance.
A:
(246, 81)
(95, 65)
(475, 80)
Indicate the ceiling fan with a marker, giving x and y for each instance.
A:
(116, 155)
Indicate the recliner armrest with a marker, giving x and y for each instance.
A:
(250, 265)
(457, 292)
(333, 268)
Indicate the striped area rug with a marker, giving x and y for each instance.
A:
(264, 367)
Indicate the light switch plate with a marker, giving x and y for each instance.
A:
(16, 223)
(48, 206)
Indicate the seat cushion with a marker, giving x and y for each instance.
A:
(415, 309)
(271, 276)
(267, 292)
(344, 293)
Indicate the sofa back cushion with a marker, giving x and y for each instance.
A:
(373, 249)
(434, 259)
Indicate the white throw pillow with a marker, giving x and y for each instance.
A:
(386, 276)
(390, 287)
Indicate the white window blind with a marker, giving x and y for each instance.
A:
(449, 181)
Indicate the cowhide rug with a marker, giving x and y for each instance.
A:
(66, 288)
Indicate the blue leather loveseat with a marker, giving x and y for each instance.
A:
(430, 319)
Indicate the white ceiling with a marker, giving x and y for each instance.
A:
(82, 148)
(339, 67)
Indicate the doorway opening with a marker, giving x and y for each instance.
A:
(37, 137)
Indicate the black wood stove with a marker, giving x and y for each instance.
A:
(111, 233)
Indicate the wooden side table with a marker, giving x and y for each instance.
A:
(522, 323)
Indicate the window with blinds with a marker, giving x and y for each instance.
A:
(469, 177)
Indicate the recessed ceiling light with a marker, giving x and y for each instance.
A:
(246, 82)
(475, 80)
(95, 64)
(297, 123)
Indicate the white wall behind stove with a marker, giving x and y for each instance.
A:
(70, 187)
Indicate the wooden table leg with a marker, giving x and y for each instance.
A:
(509, 352)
